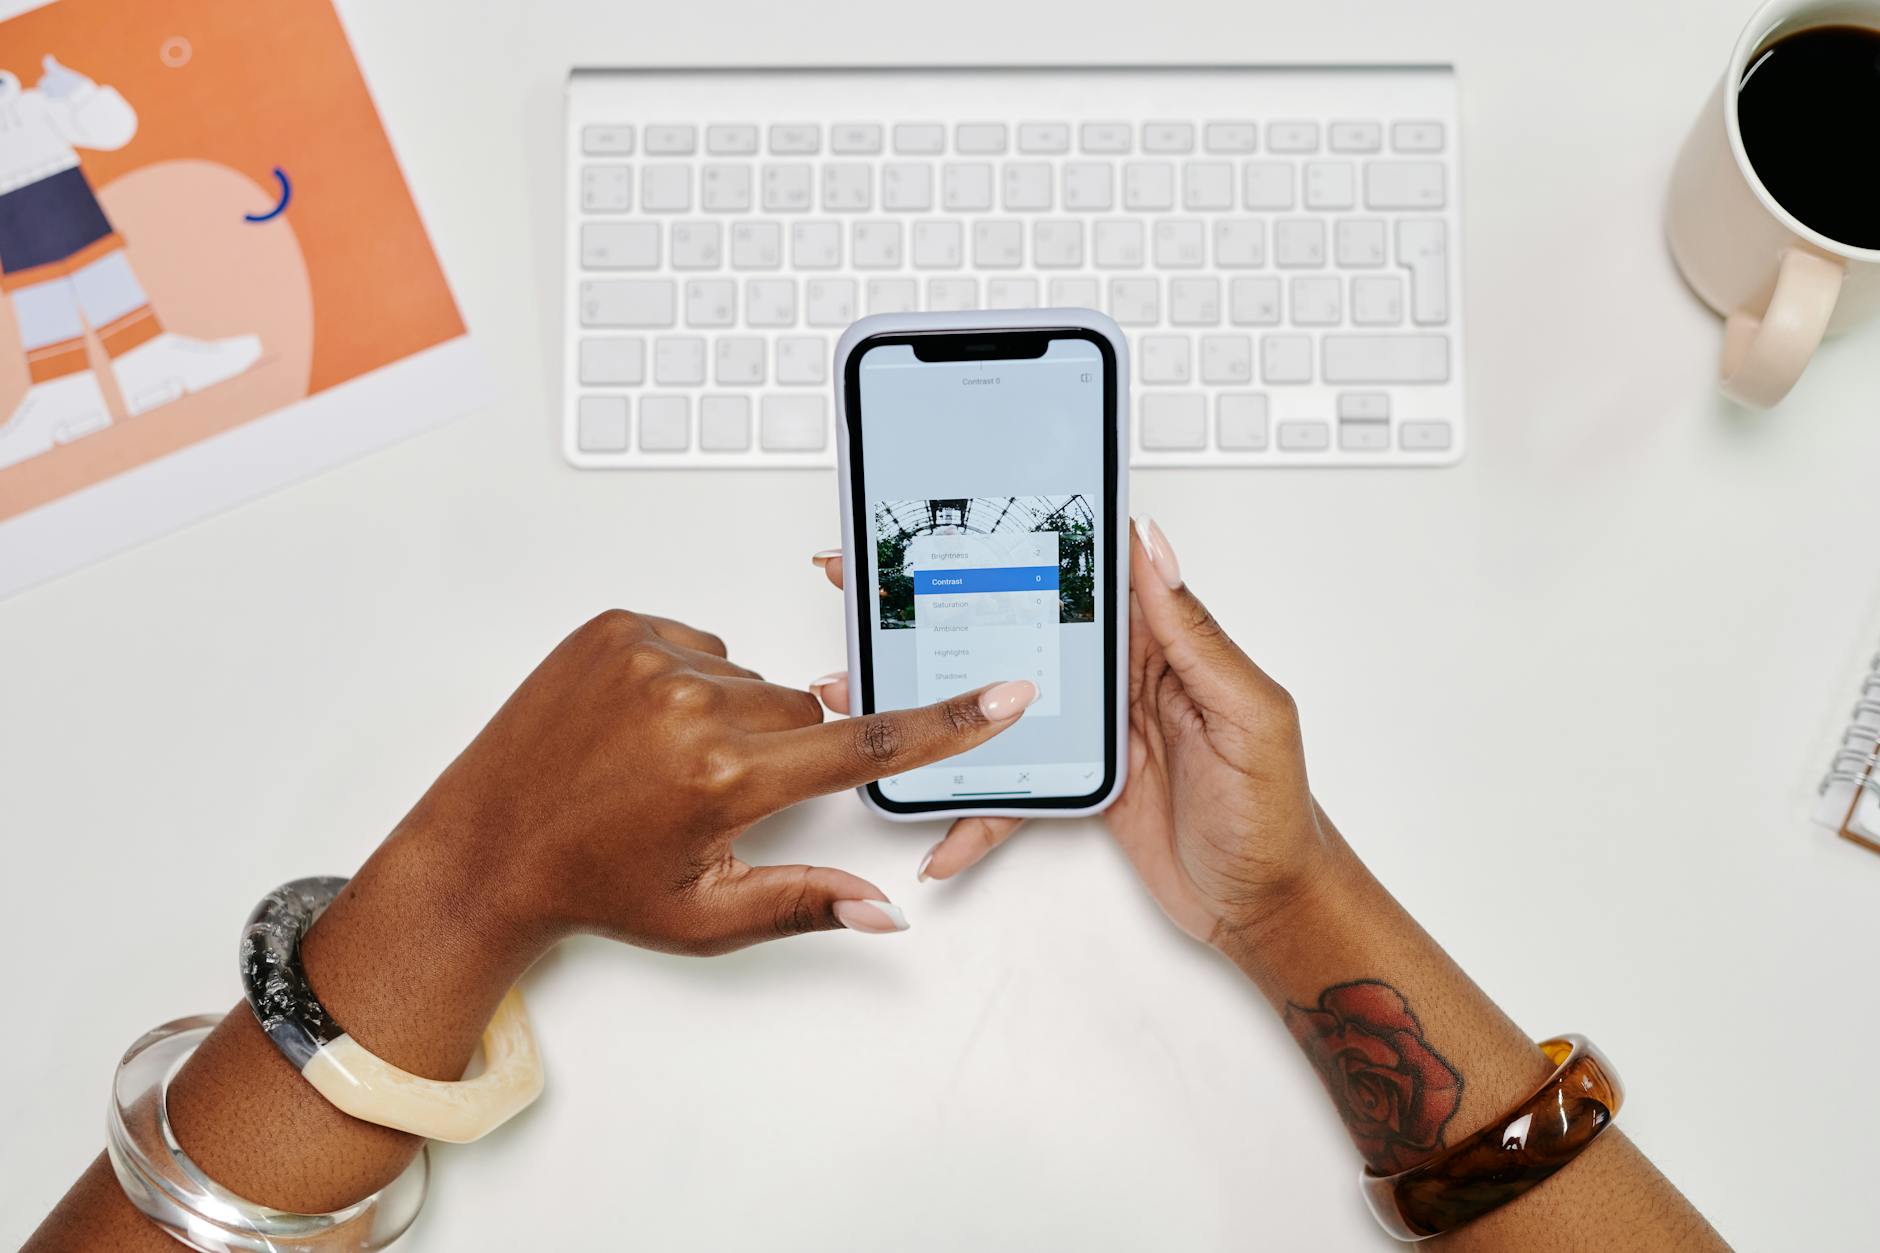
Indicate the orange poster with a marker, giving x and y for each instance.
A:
(202, 227)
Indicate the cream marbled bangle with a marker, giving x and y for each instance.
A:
(341, 1069)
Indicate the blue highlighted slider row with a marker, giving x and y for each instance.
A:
(986, 579)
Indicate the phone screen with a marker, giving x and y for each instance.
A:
(984, 471)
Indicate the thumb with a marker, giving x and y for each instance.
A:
(759, 903)
(1210, 665)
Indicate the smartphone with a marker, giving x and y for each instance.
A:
(985, 535)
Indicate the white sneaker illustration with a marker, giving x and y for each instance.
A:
(172, 366)
(54, 412)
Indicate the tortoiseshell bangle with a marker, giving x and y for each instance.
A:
(342, 1070)
(1508, 1157)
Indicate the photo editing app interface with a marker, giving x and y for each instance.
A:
(985, 513)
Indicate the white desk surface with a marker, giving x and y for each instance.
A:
(1566, 699)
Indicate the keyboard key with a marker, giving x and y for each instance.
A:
(1229, 137)
(1286, 358)
(606, 188)
(979, 138)
(1267, 185)
(1239, 243)
(1423, 436)
(1173, 421)
(1104, 136)
(627, 302)
(1240, 421)
(1364, 406)
(671, 139)
(1364, 437)
(1356, 136)
(770, 302)
(1226, 359)
(893, 295)
(1208, 185)
(1075, 293)
(1292, 137)
(731, 140)
(1089, 186)
(1012, 293)
(1317, 301)
(1168, 137)
(829, 301)
(619, 246)
(738, 361)
(802, 359)
(998, 244)
(1417, 136)
(602, 424)
(847, 186)
(1118, 244)
(756, 245)
(1423, 249)
(666, 187)
(855, 138)
(697, 245)
(677, 360)
(1194, 301)
(786, 187)
(950, 295)
(876, 246)
(613, 361)
(1254, 301)
(1359, 242)
(1386, 358)
(1330, 184)
(1304, 436)
(815, 245)
(1403, 185)
(725, 188)
(938, 245)
(1057, 243)
(920, 138)
(1044, 137)
(1298, 243)
(795, 138)
(607, 141)
(1180, 244)
(1148, 185)
(1377, 300)
(1162, 358)
(1136, 301)
(665, 424)
(906, 187)
(794, 424)
(711, 301)
(724, 423)
(966, 187)
(1027, 185)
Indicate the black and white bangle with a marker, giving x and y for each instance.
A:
(341, 1069)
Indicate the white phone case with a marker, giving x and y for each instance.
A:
(992, 320)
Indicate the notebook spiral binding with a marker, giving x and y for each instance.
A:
(1858, 761)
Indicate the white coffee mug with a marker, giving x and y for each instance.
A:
(1779, 284)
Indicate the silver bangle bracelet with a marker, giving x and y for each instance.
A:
(174, 1193)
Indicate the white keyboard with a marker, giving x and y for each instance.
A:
(1283, 246)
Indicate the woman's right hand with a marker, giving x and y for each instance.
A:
(1216, 816)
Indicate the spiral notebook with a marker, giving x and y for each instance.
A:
(1848, 800)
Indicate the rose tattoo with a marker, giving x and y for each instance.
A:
(1393, 1090)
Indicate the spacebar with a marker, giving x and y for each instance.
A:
(1386, 359)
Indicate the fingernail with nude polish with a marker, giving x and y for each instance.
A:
(827, 679)
(1161, 554)
(920, 874)
(1004, 701)
(824, 557)
(872, 917)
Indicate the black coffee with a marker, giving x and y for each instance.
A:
(1809, 108)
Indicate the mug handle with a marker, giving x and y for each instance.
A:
(1763, 356)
